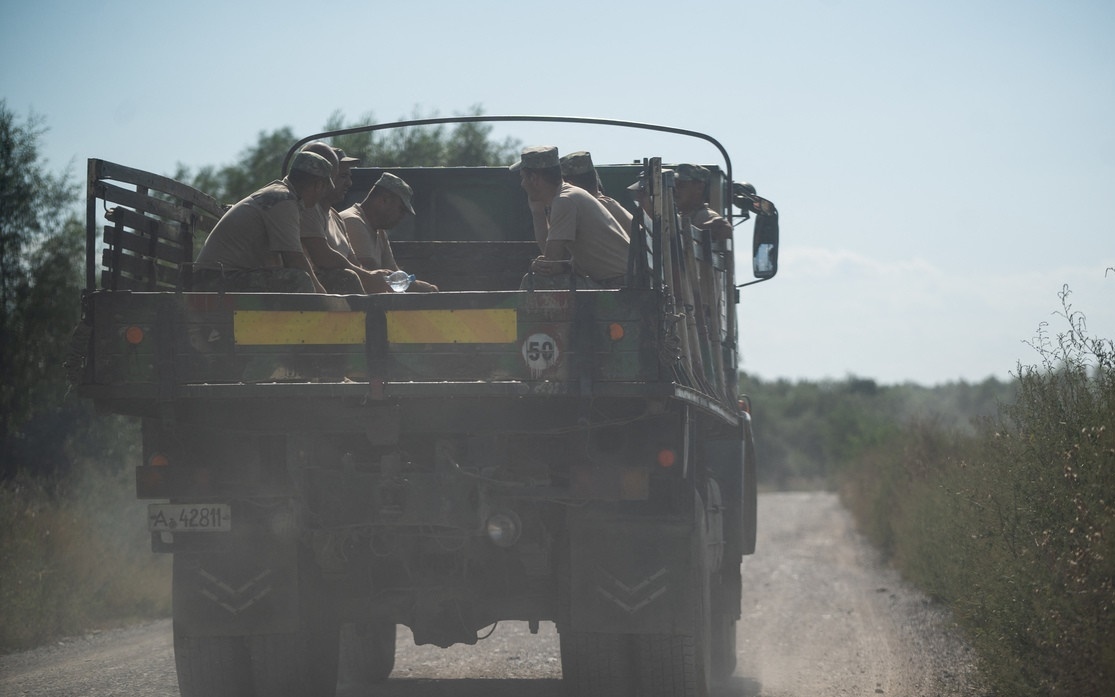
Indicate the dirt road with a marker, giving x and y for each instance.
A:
(821, 617)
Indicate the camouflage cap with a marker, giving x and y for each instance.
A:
(398, 187)
(692, 173)
(575, 163)
(537, 157)
(323, 149)
(312, 163)
(343, 157)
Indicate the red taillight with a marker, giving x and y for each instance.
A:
(133, 335)
(667, 457)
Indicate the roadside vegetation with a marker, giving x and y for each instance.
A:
(1011, 523)
(73, 555)
(76, 554)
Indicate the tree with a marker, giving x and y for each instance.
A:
(40, 281)
(256, 166)
(466, 144)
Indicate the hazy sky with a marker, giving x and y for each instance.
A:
(942, 168)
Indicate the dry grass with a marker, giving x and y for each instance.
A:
(75, 557)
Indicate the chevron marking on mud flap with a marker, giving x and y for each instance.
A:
(234, 600)
(631, 599)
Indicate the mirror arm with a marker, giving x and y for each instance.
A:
(751, 283)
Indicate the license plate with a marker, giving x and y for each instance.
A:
(189, 517)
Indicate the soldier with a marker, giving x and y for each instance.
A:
(324, 239)
(366, 225)
(578, 170)
(690, 188)
(255, 246)
(573, 229)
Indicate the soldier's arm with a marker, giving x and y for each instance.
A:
(298, 260)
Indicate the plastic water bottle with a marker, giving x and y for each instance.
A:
(400, 280)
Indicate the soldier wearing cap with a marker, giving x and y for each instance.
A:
(578, 170)
(324, 238)
(255, 246)
(573, 229)
(338, 238)
(367, 224)
(690, 190)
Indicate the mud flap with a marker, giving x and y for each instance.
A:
(631, 575)
(250, 587)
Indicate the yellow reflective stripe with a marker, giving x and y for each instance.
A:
(283, 327)
(452, 326)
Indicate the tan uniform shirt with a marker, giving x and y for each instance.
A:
(621, 214)
(338, 239)
(326, 223)
(366, 242)
(598, 242)
(251, 234)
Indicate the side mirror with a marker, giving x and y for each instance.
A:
(764, 243)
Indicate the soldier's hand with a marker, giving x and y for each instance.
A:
(422, 287)
(721, 229)
(375, 281)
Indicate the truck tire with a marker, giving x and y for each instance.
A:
(677, 665)
(301, 663)
(722, 651)
(297, 664)
(597, 665)
(211, 666)
(725, 610)
(669, 666)
(367, 654)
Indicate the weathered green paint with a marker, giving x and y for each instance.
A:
(200, 332)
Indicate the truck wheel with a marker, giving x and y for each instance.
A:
(301, 663)
(725, 610)
(298, 664)
(671, 665)
(677, 665)
(722, 652)
(211, 666)
(367, 653)
(596, 665)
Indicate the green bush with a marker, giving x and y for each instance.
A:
(1013, 525)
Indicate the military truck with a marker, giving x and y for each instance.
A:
(324, 467)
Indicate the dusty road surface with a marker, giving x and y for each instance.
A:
(821, 616)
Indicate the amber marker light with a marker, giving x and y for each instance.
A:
(615, 331)
(667, 457)
(133, 335)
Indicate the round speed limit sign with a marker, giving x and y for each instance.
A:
(540, 351)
